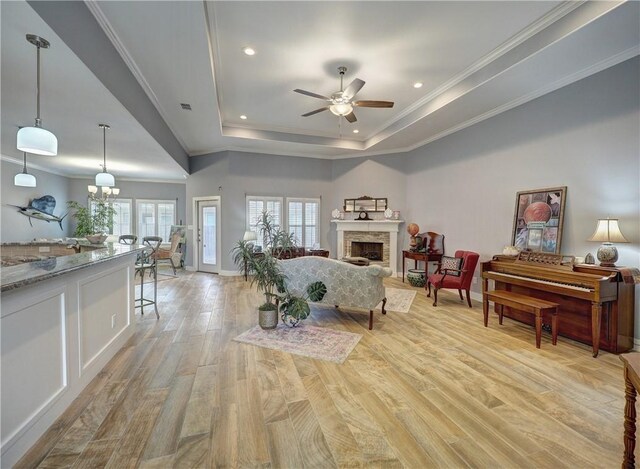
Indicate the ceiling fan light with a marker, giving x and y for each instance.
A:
(341, 109)
(38, 141)
(105, 179)
(24, 180)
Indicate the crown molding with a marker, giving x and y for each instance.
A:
(19, 162)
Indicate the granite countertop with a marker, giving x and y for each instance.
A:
(18, 276)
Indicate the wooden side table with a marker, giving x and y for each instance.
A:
(420, 256)
(631, 385)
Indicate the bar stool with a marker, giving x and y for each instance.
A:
(128, 239)
(148, 261)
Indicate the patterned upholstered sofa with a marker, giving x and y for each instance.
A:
(347, 285)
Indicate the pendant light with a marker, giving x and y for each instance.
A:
(36, 139)
(24, 179)
(104, 179)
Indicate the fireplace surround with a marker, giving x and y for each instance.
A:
(371, 231)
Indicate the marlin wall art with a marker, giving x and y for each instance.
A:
(41, 209)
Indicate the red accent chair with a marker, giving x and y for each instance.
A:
(444, 278)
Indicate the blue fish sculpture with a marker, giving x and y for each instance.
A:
(41, 209)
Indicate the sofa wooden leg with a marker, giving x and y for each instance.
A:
(384, 302)
(468, 298)
(336, 306)
(370, 319)
(435, 296)
(460, 293)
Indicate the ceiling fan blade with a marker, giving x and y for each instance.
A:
(373, 103)
(353, 88)
(315, 112)
(313, 95)
(351, 117)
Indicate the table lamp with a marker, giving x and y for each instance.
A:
(608, 232)
(250, 237)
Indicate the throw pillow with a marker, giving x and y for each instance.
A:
(451, 263)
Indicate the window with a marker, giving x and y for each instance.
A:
(155, 218)
(303, 219)
(122, 218)
(255, 206)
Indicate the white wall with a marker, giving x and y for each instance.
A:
(14, 226)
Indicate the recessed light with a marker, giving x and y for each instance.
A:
(356, 131)
(417, 84)
(243, 117)
(249, 51)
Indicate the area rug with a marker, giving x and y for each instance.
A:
(309, 341)
(398, 300)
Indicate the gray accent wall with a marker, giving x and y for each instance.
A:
(136, 190)
(585, 136)
(233, 175)
(14, 226)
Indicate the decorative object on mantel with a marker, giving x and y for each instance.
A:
(388, 213)
(35, 139)
(413, 230)
(589, 259)
(396, 214)
(362, 216)
(41, 209)
(24, 179)
(608, 232)
(365, 204)
(104, 179)
(538, 218)
(335, 213)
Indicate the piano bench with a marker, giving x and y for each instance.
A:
(526, 304)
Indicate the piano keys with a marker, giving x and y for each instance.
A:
(594, 302)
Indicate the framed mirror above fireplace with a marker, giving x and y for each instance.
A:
(365, 204)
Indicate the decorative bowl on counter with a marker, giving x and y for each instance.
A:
(416, 277)
(96, 238)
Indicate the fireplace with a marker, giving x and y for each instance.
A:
(376, 232)
(369, 250)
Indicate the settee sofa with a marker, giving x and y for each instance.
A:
(347, 285)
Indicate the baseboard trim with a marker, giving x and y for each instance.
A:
(190, 268)
(636, 345)
(230, 273)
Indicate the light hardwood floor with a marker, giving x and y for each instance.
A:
(431, 388)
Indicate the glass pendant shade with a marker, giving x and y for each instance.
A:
(35, 139)
(105, 180)
(38, 141)
(341, 109)
(24, 180)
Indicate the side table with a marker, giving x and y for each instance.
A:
(420, 256)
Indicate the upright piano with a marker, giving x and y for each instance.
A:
(593, 301)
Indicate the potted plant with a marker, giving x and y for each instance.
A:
(93, 224)
(296, 308)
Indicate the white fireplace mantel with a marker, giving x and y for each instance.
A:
(390, 226)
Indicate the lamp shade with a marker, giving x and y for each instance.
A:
(24, 180)
(38, 141)
(105, 180)
(250, 236)
(608, 231)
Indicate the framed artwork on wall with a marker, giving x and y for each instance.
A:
(538, 219)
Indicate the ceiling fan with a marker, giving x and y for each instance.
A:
(340, 102)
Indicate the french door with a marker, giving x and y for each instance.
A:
(208, 235)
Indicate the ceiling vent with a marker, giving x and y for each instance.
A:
(185, 106)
